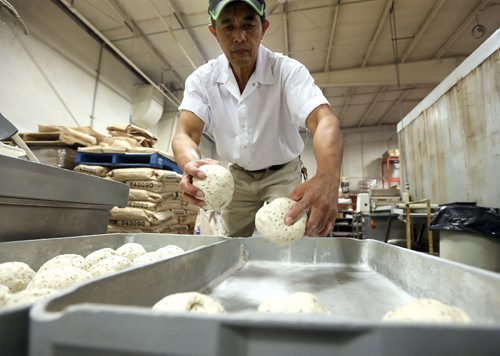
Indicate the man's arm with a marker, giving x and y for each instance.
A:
(320, 193)
(185, 145)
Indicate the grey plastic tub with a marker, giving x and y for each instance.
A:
(359, 281)
(14, 321)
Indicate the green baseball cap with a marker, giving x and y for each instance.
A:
(215, 7)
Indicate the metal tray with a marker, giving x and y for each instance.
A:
(14, 321)
(40, 201)
(358, 280)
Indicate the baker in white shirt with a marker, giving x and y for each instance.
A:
(253, 102)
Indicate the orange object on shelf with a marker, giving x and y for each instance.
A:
(389, 163)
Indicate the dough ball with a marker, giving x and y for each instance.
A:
(109, 265)
(60, 278)
(427, 311)
(169, 251)
(4, 295)
(147, 258)
(131, 250)
(28, 296)
(270, 222)
(218, 186)
(191, 302)
(297, 303)
(15, 275)
(60, 261)
(97, 256)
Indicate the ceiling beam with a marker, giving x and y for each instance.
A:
(174, 37)
(369, 109)
(132, 26)
(372, 43)
(332, 35)
(458, 31)
(425, 25)
(396, 103)
(416, 39)
(422, 72)
(180, 21)
(90, 27)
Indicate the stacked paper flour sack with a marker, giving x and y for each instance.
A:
(154, 205)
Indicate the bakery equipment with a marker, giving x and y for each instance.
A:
(358, 280)
(14, 321)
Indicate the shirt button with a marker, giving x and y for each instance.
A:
(253, 84)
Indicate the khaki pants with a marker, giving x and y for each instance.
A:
(251, 190)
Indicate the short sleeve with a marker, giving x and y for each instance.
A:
(302, 94)
(195, 100)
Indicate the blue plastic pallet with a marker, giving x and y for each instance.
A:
(124, 160)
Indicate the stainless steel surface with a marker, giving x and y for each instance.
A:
(27, 219)
(39, 201)
(14, 322)
(28, 180)
(359, 280)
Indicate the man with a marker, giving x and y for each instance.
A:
(253, 101)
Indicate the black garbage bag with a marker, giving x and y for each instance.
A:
(467, 218)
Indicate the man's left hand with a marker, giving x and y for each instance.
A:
(320, 195)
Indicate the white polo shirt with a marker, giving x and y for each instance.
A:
(259, 127)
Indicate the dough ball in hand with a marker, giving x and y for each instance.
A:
(97, 256)
(427, 311)
(131, 250)
(16, 275)
(218, 186)
(169, 251)
(297, 303)
(191, 302)
(109, 265)
(60, 261)
(4, 295)
(28, 296)
(270, 222)
(60, 278)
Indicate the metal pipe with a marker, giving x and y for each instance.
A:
(165, 91)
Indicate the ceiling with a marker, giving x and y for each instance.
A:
(374, 59)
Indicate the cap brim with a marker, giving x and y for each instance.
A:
(257, 6)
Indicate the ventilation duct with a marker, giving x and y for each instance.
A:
(147, 107)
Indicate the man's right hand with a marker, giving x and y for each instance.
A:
(190, 193)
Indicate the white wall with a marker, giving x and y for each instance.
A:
(49, 76)
(363, 150)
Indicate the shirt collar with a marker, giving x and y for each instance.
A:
(263, 72)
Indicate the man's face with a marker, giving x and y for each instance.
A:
(239, 31)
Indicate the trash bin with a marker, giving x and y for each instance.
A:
(469, 234)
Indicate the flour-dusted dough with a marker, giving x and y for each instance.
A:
(270, 222)
(169, 251)
(296, 303)
(191, 302)
(147, 258)
(28, 296)
(15, 275)
(131, 250)
(427, 311)
(4, 295)
(69, 259)
(109, 265)
(97, 256)
(218, 186)
(60, 278)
